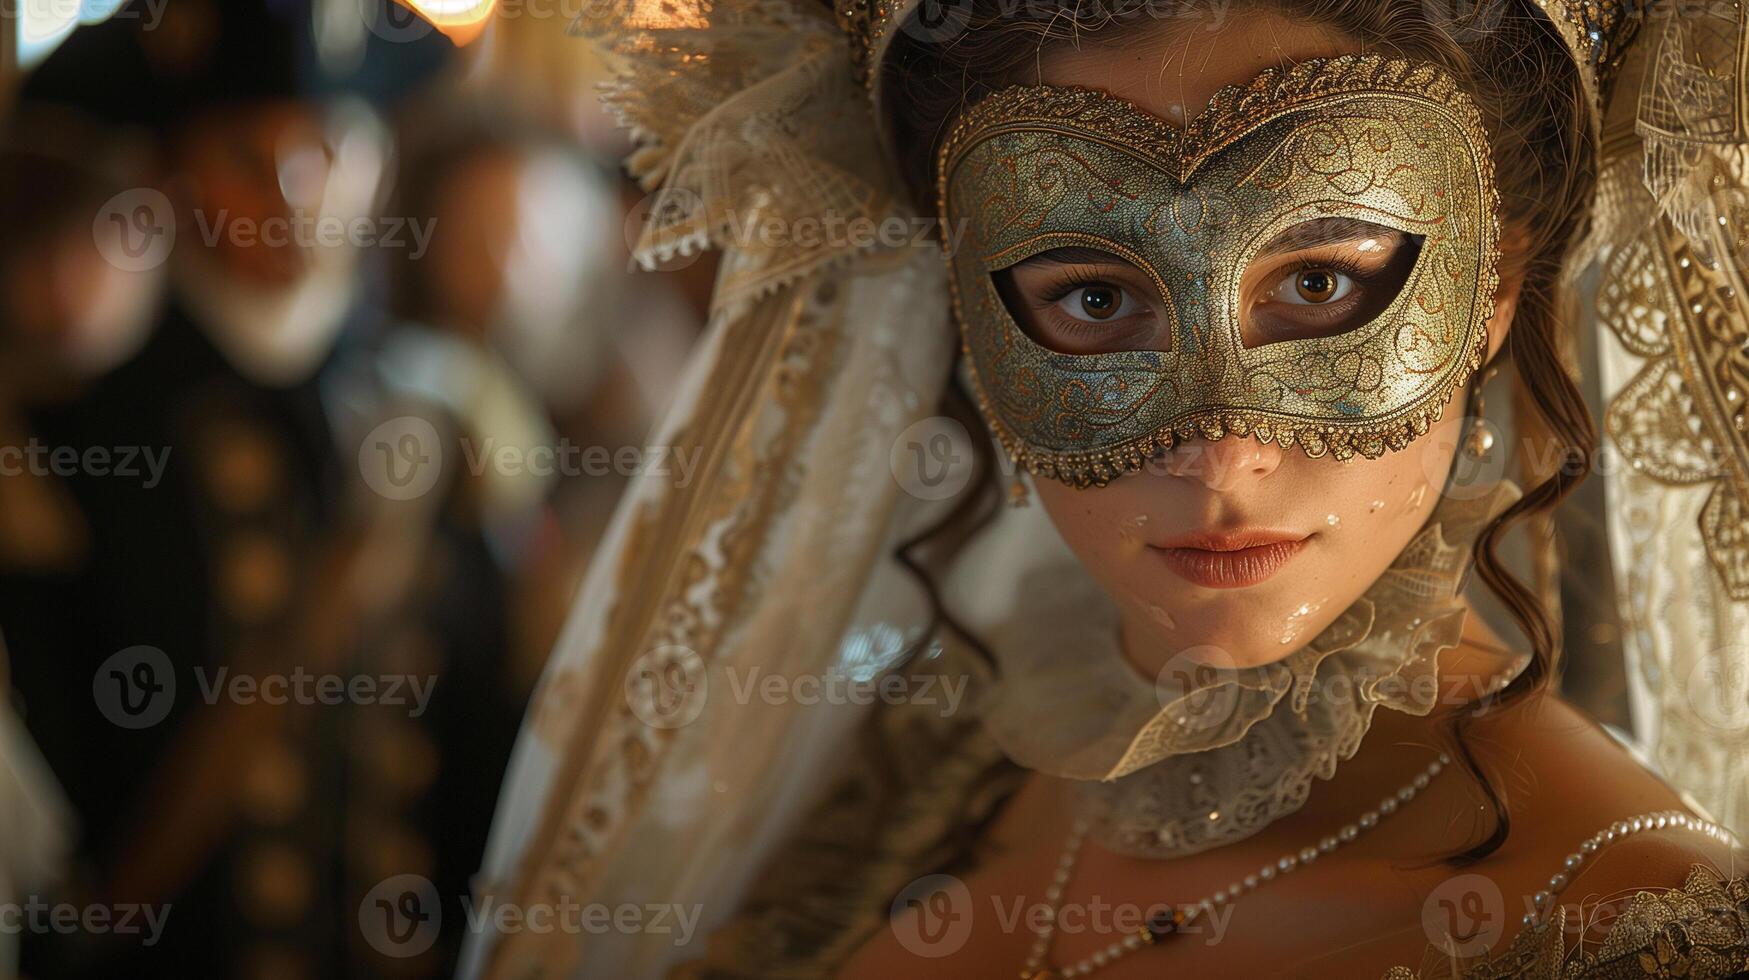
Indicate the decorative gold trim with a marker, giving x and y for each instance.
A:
(1682, 418)
(777, 358)
(1233, 112)
(1699, 931)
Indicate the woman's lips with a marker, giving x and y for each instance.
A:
(1232, 560)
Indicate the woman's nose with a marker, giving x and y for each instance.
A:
(1223, 464)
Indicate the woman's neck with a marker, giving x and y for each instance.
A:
(1397, 743)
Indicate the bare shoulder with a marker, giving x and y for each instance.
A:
(1558, 767)
(1600, 853)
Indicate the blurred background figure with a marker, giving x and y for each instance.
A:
(279, 280)
(521, 321)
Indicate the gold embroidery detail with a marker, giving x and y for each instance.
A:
(786, 344)
(1697, 932)
(1682, 419)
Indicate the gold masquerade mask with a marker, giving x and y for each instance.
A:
(1322, 151)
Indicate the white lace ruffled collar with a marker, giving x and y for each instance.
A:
(1176, 770)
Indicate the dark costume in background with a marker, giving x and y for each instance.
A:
(258, 553)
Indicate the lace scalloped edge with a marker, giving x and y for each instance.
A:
(828, 264)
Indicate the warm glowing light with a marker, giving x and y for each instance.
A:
(460, 20)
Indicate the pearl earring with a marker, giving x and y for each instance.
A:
(1481, 435)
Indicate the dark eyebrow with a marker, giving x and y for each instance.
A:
(1328, 231)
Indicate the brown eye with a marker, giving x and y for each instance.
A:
(1312, 287)
(1316, 285)
(1100, 302)
(1080, 300)
(1323, 278)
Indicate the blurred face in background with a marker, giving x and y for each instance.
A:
(76, 300)
(276, 200)
(518, 232)
(72, 315)
(246, 170)
(525, 249)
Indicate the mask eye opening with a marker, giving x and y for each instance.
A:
(1325, 278)
(1080, 299)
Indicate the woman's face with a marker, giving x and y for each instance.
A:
(1233, 552)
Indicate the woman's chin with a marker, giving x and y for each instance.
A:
(1223, 636)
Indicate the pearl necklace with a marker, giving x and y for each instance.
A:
(1160, 927)
(1164, 924)
(1543, 901)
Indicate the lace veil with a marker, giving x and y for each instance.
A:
(1661, 274)
(651, 767)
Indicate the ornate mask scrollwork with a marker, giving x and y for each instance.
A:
(1388, 142)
